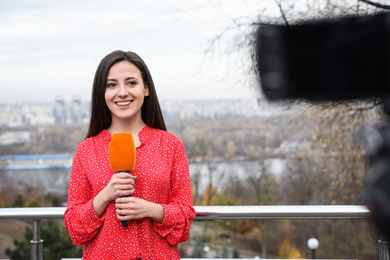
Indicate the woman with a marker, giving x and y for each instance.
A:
(160, 210)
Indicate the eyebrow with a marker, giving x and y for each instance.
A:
(126, 79)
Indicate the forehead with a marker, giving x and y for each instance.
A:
(125, 69)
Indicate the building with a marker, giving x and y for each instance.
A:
(59, 111)
(76, 110)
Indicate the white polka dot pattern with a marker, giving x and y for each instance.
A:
(162, 177)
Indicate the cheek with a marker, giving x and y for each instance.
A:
(108, 95)
(107, 99)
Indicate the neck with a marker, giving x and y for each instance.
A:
(133, 128)
(126, 126)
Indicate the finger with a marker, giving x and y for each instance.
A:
(118, 182)
(125, 213)
(120, 212)
(127, 175)
(123, 175)
(124, 193)
(122, 201)
(122, 189)
(124, 217)
(128, 192)
(124, 186)
(126, 181)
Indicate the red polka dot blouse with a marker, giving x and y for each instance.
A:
(162, 177)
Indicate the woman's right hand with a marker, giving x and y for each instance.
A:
(121, 184)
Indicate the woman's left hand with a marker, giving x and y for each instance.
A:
(131, 208)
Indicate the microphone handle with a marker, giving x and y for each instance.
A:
(125, 223)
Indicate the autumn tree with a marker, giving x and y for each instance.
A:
(288, 251)
(303, 183)
(262, 181)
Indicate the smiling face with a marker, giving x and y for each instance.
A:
(125, 92)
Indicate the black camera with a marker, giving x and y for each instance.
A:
(337, 59)
(334, 59)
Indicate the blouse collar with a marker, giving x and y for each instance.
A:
(144, 135)
(105, 135)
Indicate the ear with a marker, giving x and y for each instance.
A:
(146, 92)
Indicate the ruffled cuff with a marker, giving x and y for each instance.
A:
(89, 219)
(169, 222)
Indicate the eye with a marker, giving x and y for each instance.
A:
(111, 85)
(132, 83)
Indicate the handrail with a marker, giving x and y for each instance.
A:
(282, 212)
(202, 213)
(216, 212)
(38, 213)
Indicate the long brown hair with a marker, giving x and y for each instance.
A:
(100, 114)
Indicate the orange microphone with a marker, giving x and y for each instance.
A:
(121, 154)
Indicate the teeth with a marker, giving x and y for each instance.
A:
(123, 103)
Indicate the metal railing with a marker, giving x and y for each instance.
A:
(202, 213)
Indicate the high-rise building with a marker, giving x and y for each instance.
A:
(76, 110)
(59, 111)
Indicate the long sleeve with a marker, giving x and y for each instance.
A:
(81, 220)
(179, 212)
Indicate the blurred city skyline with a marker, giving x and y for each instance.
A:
(75, 111)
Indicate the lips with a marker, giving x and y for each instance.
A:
(123, 103)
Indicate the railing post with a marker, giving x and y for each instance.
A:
(383, 250)
(36, 243)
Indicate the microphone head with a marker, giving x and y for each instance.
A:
(121, 152)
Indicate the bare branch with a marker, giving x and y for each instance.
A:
(382, 6)
(279, 4)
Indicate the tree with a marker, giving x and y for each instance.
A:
(199, 154)
(202, 155)
(183, 250)
(198, 250)
(230, 149)
(303, 183)
(56, 245)
(53, 200)
(19, 201)
(287, 251)
(225, 252)
(335, 143)
(21, 251)
(236, 254)
(195, 182)
(262, 181)
(211, 189)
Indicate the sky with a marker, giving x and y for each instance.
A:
(50, 48)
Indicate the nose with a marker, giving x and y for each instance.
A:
(123, 91)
